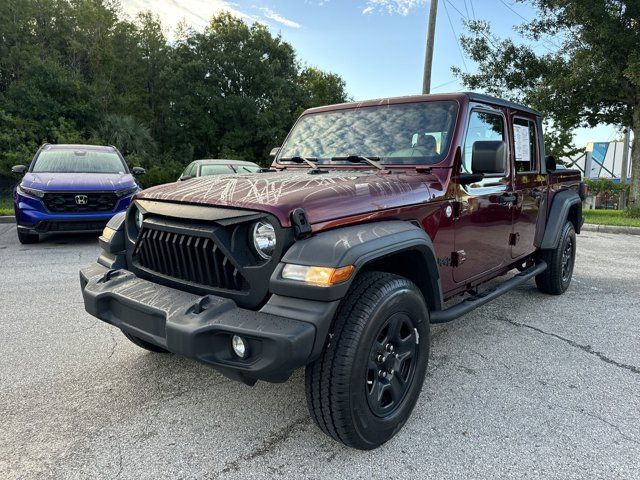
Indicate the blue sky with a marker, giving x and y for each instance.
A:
(377, 46)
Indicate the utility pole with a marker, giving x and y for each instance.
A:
(625, 167)
(428, 56)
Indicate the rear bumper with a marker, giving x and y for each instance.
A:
(174, 320)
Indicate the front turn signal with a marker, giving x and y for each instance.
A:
(107, 233)
(320, 276)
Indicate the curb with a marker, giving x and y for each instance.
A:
(589, 227)
(7, 219)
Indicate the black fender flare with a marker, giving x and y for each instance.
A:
(561, 205)
(357, 245)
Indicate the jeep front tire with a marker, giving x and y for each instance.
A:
(363, 388)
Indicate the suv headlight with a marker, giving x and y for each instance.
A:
(263, 236)
(32, 192)
(127, 191)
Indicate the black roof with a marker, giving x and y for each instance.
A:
(481, 97)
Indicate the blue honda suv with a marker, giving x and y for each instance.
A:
(71, 188)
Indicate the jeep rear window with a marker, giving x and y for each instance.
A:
(78, 161)
(405, 133)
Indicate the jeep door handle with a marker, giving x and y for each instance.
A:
(507, 198)
(535, 193)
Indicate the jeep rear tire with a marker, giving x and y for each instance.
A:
(27, 238)
(363, 388)
(144, 344)
(560, 262)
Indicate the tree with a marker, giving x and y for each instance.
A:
(125, 133)
(592, 78)
(321, 88)
(73, 71)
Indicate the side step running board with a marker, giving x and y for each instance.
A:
(475, 301)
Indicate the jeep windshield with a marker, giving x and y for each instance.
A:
(78, 161)
(404, 133)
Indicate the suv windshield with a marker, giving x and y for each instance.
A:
(78, 161)
(406, 133)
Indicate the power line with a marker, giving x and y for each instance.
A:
(527, 20)
(473, 11)
(488, 39)
(466, 9)
(445, 84)
(446, 10)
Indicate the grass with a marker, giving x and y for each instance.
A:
(617, 218)
(6, 205)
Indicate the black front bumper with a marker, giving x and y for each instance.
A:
(199, 327)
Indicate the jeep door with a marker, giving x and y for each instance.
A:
(529, 184)
(484, 220)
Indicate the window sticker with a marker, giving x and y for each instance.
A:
(522, 143)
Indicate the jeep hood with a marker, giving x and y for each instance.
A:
(324, 196)
(77, 182)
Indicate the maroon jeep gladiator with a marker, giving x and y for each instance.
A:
(338, 260)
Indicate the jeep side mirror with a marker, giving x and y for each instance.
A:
(138, 171)
(550, 162)
(488, 157)
(19, 169)
(274, 152)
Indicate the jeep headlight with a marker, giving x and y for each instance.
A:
(263, 236)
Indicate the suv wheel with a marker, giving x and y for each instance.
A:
(367, 381)
(560, 261)
(27, 238)
(144, 344)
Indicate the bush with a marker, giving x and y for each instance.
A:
(633, 212)
(608, 190)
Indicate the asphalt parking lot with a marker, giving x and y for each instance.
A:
(529, 386)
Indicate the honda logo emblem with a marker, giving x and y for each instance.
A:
(82, 199)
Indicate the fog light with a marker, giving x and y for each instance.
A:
(239, 346)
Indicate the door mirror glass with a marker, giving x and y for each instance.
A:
(19, 169)
(274, 152)
(488, 157)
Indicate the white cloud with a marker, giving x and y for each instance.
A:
(401, 7)
(276, 17)
(197, 13)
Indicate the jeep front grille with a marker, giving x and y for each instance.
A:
(191, 258)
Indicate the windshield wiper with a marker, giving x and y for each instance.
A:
(300, 160)
(373, 161)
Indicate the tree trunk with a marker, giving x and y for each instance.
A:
(634, 194)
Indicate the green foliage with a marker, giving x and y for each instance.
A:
(608, 190)
(590, 77)
(606, 186)
(633, 213)
(73, 72)
(610, 217)
(126, 133)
